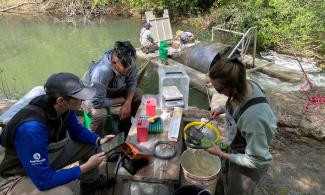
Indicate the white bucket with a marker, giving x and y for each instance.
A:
(200, 169)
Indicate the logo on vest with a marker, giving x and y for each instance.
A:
(37, 160)
(37, 156)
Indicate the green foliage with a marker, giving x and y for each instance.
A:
(280, 22)
(99, 2)
(174, 6)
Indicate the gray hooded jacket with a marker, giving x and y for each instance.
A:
(102, 76)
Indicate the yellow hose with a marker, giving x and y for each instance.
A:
(211, 127)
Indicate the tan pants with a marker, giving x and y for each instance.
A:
(98, 116)
(73, 151)
(150, 48)
(20, 185)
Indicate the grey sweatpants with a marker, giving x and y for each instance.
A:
(242, 180)
(73, 151)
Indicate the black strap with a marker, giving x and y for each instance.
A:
(250, 103)
(239, 142)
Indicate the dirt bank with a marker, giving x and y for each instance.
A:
(299, 147)
(65, 9)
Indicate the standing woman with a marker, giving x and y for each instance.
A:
(250, 126)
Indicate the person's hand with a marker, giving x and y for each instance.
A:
(214, 150)
(92, 162)
(216, 112)
(106, 139)
(125, 110)
(117, 101)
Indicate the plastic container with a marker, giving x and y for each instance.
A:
(151, 104)
(142, 130)
(200, 169)
(109, 127)
(163, 50)
(87, 120)
(174, 76)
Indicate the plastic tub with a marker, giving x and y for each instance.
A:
(174, 76)
(200, 169)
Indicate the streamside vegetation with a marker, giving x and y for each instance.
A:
(295, 26)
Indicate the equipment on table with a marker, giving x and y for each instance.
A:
(151, 104)
(173, 87)
(142, 130)
(172, 97)
(155, 124)
(164, 150)
(135, 152)
(116, 142)
(135, 157)
(175, 124)
(156, 127)
(194, 138)
(153, 119)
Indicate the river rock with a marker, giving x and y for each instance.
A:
(291, 113)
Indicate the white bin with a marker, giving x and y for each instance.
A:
(200, 169)
(174, 76)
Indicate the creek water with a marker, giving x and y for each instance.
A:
(33, 48)
(314, 73)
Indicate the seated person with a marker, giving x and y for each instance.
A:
(115, 79)
(185, 38)
(147, 43)
(45, 136)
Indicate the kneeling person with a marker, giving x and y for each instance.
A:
(115, 79)
(45, 136)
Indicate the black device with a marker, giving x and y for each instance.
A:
(133, 165)
(116, 142)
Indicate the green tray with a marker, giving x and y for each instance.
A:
(156, 127)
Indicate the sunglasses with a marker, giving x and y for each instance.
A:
(219, 90)
(71, 98)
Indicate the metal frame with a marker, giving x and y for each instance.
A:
(244, 42)
(162, 29)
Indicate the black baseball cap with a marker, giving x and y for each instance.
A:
(67, 85)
